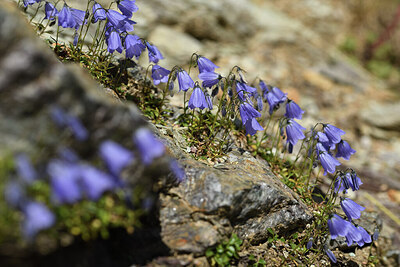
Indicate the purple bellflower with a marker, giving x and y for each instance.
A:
(243, 89)
(98, 12)
(351, 209)
(37, 217)
(78, 16)
(328, 162)
(95, 182)
(159, 74)
(346, 181)
(127, 7)
(264, 88)
(65, 18)
(344, 150)
(205, 65)
(197, 99)
(25, 169)
(184, 80)
(309, 243)
(63, 119)
(115, 156)
(115, 18)
(50, 11)
(333, 133)
(259, 103)
(247, 112)
(133, 46)
(154, 54)
(294, 132)
(252, 126)
(293, 111)
(64, 181)
(209, 102)
(209, 78)
(322, 138)
(274, 98)
(177, 170)
(114, 43)
(149, 146)
(338, 226)
(353, 235)
(365, 237)
(331, 255)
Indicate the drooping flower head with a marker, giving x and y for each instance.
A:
(177, 170)
(252, 126)
(159, 74)
(248, 112)
(365, 237)
(197, 99)
(328, 162)
(243, 90)
(50, 11)
(149, 146)
(331, 255)
(346, 181)
(64, 179)
(294, 132)
(99, 12)
(30, 2)
(133, 46)
(184, 80)
(127, 7)
(37, 217)
(154, 54)
(293, 111)
(338, 226)
(274, 98)
(353, 235)
(65, 18)
(351, 209)
(209, 78)
(115, 156)
(344, 150)
(205, 65)
(333, 133)
(114, 43)
(95, 182)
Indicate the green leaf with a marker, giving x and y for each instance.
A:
(209, 253)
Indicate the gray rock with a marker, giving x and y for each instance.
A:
(242, 196)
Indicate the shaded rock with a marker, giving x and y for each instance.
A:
(241, 195)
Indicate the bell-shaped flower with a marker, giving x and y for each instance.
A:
(115, 18)
(99, 12)
(149, 146)
(259, 103)
(115, 156)
(50, 11)
(133, 46)
(328, 162)
(209, 78)
(309, 243)
(205, 65)
(293, 111)
(351, 209)
(37, 217)
(114, 43)
(248, 112)
(274, 98)
(264, 88)
(346, 181)
(197, 99)
(252, 126)
(154, 54)
(353, 235)
(344, 150)
(65, 18)
(64, 179)
(294, 132)
(338, 226)
(184, 80)
(333, 133)
(159, 74)
(78, 16)
(365, 237)
(127, 7)
(25, 170)
(209, 102)
(95, 182)
(126, 26)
